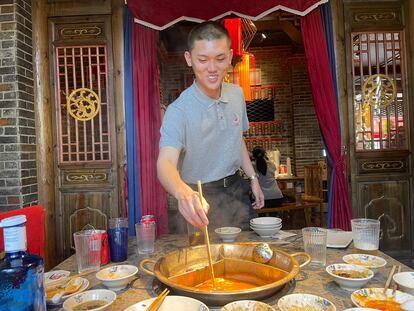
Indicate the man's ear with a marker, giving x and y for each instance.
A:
(230, 56)
(187, 57)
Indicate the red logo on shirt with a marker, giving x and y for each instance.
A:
(236, 119)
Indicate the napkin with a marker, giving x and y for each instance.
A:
(281, 235)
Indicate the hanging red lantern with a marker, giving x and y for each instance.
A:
(234, 27)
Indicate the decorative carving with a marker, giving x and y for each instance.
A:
(368, 17)
(379, 91)
(382, 166)
(80, 31)
(83, 104)
(83, 177)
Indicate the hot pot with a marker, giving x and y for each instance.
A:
(183, 269)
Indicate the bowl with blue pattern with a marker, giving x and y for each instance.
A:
(305, 302)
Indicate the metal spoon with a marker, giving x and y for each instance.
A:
(72, 286)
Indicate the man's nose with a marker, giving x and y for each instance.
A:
(211, 66)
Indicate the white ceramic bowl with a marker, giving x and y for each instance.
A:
(228, 234)
(171, 303)
(266, 221)
(305, 301)
(265, 233)
(90, 295)
(117, 277)
(349, 283)
(247, 305)
(368, 261)
(55, 278)
(266, 227)
(405, 281)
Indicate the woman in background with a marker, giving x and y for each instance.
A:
(265, 170)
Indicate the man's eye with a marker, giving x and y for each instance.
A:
(202, 60)
(220, 59)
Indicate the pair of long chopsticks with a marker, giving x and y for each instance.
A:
(389, 278)
(394, 286)
(158, 301)
(210, 260)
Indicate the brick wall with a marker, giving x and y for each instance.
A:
(18, 182)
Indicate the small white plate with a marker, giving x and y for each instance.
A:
(171, 303)
(338, 239)
(56, 277)
(84, 287)
(362, 296)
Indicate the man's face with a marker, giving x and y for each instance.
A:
(210, 60)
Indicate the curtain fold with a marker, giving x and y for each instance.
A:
(147, 114)
(324, 98)
(133, 192)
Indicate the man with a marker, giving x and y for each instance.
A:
(202, 138)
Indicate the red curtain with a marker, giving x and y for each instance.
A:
(326, 111)
(148, 119)
(161, 14)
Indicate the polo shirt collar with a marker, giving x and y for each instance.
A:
(206, 100)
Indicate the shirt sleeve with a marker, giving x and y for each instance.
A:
(245, 120)
(172, 129)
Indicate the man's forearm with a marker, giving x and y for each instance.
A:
(169, 177)
(246, 164)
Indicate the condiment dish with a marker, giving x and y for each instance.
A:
(349, 277)
(405, 281)
(117, 277)
(228, 234)
(92, 300)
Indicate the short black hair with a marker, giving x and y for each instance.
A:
(209, 31)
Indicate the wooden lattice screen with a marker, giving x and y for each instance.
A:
(379, 90)
(83, 127)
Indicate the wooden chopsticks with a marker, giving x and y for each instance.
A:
(389, 279)
(158, 301)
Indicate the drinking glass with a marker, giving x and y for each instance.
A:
(145, 237)
(365, 233)
(195, 235)
(118, 239)
(314, 241)
(88, 249)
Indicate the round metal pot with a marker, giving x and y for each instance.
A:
(183, 269)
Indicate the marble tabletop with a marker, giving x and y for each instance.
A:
(311, 279)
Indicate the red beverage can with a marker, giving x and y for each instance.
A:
(146, 219)
(104, 247)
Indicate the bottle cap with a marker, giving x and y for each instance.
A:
(13, 221)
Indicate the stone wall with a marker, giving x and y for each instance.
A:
(18, 182)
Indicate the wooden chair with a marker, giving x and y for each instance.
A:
(35, 228)
(291, 207)
(84, 219)
(313, 191)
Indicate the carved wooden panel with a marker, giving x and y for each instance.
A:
(389, 202)
(70, 201)
(381, 166)
(86, 177)
(363, 16)
(66, 31)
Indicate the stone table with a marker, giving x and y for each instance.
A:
(310, 280)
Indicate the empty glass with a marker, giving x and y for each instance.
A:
(145, 237)
(88, 249)
(118, 239)
(195, 235)
(314, 242)
(365, 233)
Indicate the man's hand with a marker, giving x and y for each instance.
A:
(190, 207)
(257, 193)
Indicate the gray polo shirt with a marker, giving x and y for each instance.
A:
(207, 132)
